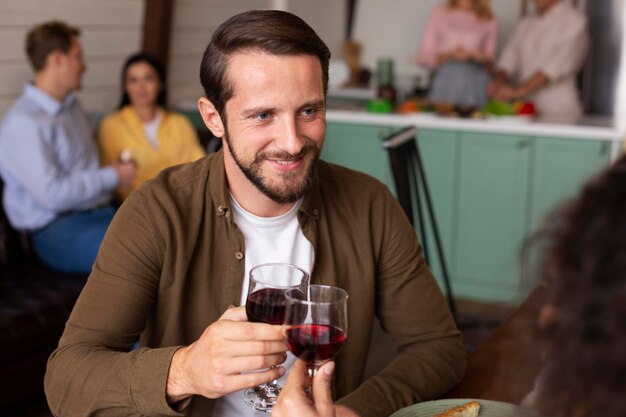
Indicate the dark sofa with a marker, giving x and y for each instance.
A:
(35, 303)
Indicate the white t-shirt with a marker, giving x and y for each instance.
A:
(267, 239)
(151, 129)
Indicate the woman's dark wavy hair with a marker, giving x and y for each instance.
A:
(154, 63)
(271, 31)
(585, 270)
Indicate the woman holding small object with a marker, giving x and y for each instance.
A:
(142, 129)
(459, 44)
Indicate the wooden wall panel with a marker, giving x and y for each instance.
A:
(193, 23)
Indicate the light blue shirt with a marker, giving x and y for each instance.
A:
(49, 161)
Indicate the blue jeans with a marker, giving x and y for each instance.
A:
(71, 242)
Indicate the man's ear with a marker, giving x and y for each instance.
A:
(211, 117)
(54, 58)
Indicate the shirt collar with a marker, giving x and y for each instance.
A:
(44, 100)
(218, 187)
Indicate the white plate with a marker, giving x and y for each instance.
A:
(487, 409)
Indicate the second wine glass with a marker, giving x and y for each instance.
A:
(266, 304)
(316, 323)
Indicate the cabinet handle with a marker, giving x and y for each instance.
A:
(605, 148)
(524, 143)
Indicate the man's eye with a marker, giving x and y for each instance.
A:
(309, 112)
(263, 116)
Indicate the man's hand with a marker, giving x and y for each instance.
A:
(212, 366)
(508, 93)
(294, 400)
(126, 173)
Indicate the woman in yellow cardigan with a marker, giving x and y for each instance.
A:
(141, 129)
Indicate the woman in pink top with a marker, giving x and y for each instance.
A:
(459, 45)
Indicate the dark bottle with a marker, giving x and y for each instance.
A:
(386, 89)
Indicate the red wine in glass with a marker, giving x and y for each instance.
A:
(266, 306)
(316, 323)
(315, 343)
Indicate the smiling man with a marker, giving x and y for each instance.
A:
(177, 255)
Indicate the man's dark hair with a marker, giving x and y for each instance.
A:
(270, 31)
(156, 65)
(46, 38)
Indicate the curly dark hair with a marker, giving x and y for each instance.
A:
(585, 373)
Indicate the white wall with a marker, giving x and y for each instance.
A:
(195, 20)
(396, 31)
(110, 31)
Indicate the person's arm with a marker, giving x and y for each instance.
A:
(535, 82)
(429, 51)
(568, 51)
(28, 155)
(93, 369)
(217, 363)
(487, 53)
(412, 310)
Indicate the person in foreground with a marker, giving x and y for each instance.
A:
(142, 129)
(178, 252)
(584, 321)
(55, 188)
(545, 54)
(294, 398)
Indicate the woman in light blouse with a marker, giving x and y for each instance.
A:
(459, 45)
(142, 129)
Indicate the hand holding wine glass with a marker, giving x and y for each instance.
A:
(316, 323)
(266, 304)
(294, 398)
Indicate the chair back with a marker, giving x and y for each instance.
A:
(402, 150)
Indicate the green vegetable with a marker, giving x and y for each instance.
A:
(499, 108)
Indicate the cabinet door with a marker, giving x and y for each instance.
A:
(492, 220)
(358, 147)
(560, 168)
(439, 152)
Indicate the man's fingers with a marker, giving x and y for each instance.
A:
(321, 389)
(240, 331)
(252, 363)
(235, 314)
(297, 376)
(252, 348)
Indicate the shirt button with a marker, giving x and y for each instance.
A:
(238, 256)
(316, 212)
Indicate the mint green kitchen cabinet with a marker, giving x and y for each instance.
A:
(439, 152)
(560, 167)
(489, 191)
(358, 147)
(491, 212)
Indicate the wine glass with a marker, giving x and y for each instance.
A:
(316, 323)
(266, 304)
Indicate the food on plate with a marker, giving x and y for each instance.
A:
(469, 409)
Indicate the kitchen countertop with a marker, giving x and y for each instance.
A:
(347, 105)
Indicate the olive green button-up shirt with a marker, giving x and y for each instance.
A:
(172, 261)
